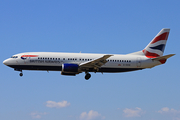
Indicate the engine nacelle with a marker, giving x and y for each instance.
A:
(69, 69)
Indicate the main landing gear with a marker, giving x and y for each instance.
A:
(21, 74)
(87, 76)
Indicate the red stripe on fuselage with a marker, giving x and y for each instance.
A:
(29, 56)
(163, 36)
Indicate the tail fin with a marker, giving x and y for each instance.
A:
(156, 47)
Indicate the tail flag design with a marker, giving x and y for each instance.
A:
(156, 47)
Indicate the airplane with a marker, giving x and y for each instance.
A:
(72, 64)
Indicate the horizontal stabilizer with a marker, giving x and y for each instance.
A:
(163, 57)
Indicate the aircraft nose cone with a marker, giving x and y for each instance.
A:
(5, 62)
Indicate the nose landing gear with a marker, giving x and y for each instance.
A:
(20, 74)
(87, 76)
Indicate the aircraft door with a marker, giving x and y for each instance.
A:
(138, 62)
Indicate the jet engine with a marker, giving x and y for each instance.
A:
(69, 69)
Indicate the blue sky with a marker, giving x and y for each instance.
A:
(94, 26)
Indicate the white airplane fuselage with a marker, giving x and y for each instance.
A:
(75, 63)
(51, 61)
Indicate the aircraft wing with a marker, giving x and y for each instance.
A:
(96, 63)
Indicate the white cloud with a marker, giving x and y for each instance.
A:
(175, 114)
(61, 104)
(37, 115)
(91, 115)
(164, 109)
(137, 112)
(167, 110)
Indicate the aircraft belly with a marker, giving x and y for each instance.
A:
(37, 67)
(118, 69)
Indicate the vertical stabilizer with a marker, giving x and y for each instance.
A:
(156, 47)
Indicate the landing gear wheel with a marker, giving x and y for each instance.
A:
(87, 76)
(21, 74)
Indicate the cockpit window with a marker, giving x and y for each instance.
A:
(14, 57)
